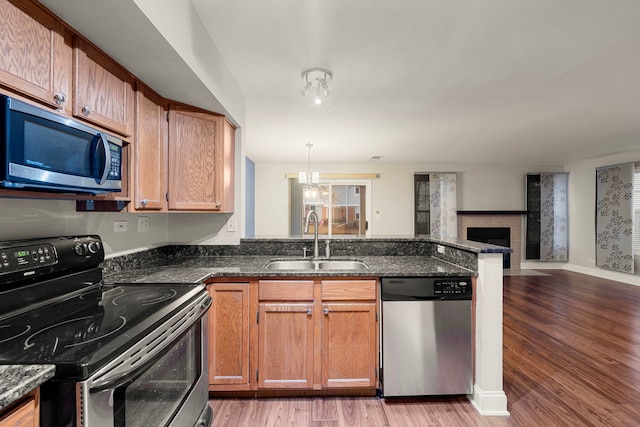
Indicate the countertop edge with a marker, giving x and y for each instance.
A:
(18, 380)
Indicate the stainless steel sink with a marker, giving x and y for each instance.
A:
(341, 265)
(290, 265)
(316, 264)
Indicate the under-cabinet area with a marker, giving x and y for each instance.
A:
(305, 334)
(175, 157)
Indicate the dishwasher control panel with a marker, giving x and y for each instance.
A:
(451, 287)
(425, 288)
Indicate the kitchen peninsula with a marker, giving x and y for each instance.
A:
(397, 257)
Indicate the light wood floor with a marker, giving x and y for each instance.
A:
(571, 358)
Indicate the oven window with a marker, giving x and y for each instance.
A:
(155, 396)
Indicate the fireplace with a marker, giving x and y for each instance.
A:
(500, 236)
(511, 220)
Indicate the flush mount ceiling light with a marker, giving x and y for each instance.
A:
(316, 83)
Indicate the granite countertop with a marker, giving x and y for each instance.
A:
(18, 380)
(198, 269)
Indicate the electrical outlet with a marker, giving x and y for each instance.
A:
(119, 226)
(143, 224)
(440, 249)
(231, 225)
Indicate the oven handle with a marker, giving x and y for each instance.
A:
(109, 383)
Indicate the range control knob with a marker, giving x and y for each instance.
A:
(80, 249)
(94, 247)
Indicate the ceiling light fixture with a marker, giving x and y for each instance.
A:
(320, 77)
(314, 193)
(308, 177)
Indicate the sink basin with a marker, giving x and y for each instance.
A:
(291, 265)
(318, 264)
(341, 265)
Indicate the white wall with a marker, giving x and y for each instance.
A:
(492, 187)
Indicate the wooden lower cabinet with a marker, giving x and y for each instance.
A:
(229, 336)
(302, 335)
(349, 337)
(320, 334)
(285, 348)
(25, 413)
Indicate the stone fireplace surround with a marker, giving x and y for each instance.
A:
(508, 219)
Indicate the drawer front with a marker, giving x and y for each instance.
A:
(285, 290)
(348, 290)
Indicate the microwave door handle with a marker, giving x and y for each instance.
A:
(103, 143)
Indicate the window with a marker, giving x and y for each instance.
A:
(341, 208)
(422, 204)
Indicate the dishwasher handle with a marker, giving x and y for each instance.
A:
(387, 297)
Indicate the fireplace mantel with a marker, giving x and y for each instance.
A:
(491, 212)
(509, 219)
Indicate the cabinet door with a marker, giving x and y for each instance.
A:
(229, 334)
(36, 58)
(349, 337)
(227, 165)
(285, 349)
(24, 414)
(150, 147)
(194, 146)
(103, 91)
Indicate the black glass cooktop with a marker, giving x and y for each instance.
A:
(81, 333)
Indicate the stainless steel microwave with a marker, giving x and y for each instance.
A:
(43, 150)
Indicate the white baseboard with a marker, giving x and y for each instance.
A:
(631, 279)
(489, 403)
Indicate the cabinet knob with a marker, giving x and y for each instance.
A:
(144, 202)
(86, 110)
(309, 311)
(60, 98)
(218, 204)
(326, 311)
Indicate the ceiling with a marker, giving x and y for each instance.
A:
(491, 81)
(544, 82)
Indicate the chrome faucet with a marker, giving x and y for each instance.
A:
(314, 215)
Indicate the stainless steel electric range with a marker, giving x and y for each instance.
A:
(125, 355)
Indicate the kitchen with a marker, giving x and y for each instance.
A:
(481, 187)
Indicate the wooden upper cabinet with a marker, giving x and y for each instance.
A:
(103, 90)
(36, 54)
(150, 147)
(199, 177)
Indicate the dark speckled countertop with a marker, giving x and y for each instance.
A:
(18, 380)
(202, 268)
(392, 257)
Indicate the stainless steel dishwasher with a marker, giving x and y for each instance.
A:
(426, 336)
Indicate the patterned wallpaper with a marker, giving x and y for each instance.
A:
(444, 217)
(553, 217)
(614, 218)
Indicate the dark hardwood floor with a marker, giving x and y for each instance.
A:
(571, 358)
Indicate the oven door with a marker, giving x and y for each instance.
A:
(170, 389)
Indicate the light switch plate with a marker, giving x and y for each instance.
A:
(143, 224)
(231, 225)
